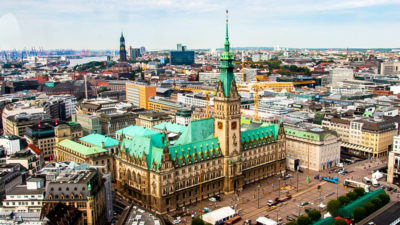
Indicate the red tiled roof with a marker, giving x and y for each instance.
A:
(35, 149)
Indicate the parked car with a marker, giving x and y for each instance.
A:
(304, 203)
(289, 218)
(176, 221)
(270, 203)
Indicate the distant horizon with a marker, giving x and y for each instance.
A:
(161, 24)
(204, 49)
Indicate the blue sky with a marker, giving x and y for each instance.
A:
(160, 24)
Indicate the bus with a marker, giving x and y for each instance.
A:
(355, 184)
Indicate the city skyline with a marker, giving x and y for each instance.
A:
(163, 24)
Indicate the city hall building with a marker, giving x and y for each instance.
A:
(212, 156)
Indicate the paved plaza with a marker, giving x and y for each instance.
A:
(252, 201)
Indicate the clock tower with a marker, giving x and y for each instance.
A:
(122, 50)
(227, 119)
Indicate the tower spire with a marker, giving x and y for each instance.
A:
(227, 34)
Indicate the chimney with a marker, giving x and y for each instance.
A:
(86, 91)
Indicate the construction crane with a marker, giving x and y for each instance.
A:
(206, 92)
(276, 86)
(243, 80)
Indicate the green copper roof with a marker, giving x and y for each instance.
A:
(260, 133)
(199, 149)
(98, 139)
(136, 131)
(170, 127)
(82, 149)
(313, 136)
(196, 131)
(149, 146)
(226, 67)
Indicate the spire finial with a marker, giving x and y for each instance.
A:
(227, 36)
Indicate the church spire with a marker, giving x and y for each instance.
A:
(226, 76)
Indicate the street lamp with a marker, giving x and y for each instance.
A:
(258, 196)
(297, 185)
(279, 187)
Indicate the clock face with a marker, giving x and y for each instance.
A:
(122, 48)
(220, 125)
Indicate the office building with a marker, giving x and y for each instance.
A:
(390, 68)
(27, 107)
(363, 137)
(67, 150)
(60, 106)
(30, 158)
(340, 74)
(25, 198)
(394, 162)
(194, 100)
(82, 189)
(182, 57)
(138, 93)
(183, 117)
(150, 119)
(315, 148)
(10, 143)
(163, 104)
(163, 177)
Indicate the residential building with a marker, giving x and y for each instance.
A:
(316, 148)
(138, 93)
(42, 136)
(25, 198)
(340, 74)
(363, 137)
(214, 153)
(82, 189)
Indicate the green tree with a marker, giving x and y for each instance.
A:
(333, 206)
(377, 202)
(292, 223)
(197, 221)
(369, 208)
(340, 222)
(318, 117)
(359, 191)
(385, 198)
(359, 213)
(303, 220)
(352, 195)
(344, 200)
(314, 215)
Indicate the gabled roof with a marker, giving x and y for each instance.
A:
(136, 131)
(170, 127)
(193, 149)
(266, 130)
(150, 146)
(34, 149)
(98, 139)
(81, 149)
(196, 131)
